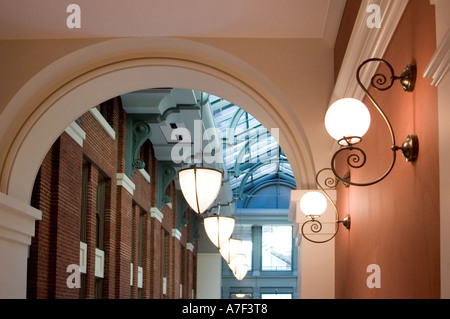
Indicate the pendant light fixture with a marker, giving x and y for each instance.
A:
(230, 249)
(200, 185)
(238, 267)
(241, 272)
(219, 228)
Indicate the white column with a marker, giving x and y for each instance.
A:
(209, 276)
(17, 225)
(316, 270)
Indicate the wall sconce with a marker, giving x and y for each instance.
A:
(347, 120)
(313, 204)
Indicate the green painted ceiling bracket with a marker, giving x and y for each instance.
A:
(182, 205)
(138, 131)
(166, 174)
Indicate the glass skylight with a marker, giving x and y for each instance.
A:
(251, 153)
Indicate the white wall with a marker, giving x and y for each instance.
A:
(317, 276)
(316, 262)
(209, 276)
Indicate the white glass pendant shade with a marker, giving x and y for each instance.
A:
(347, 118)
(230, 249)
(313, 204)
(219, 229)
(200, 186)
(241, 272)
(236, 263)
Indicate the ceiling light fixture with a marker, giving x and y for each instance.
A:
(219, 228)
(200, 185)
(230, 249)
(238, 267)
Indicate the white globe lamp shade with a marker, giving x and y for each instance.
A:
(347, 118)
(219, 229)
(313, 204)
(200, 186)
(230, 249)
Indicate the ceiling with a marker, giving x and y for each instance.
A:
(46, 19)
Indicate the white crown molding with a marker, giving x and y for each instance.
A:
(176, 233)
(124, 181)
(367, 43)
(145, 174)
(440, 62)
(17, 220)
(156, 213)
(76, 132)
(103, 123)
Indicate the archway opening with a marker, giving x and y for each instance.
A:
(57, 99)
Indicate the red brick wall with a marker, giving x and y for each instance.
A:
(56, 244)
(57, 193)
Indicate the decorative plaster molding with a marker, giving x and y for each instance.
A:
(125, 182)
(17, 222)
(76, 132)
(104, 124)
(176, 233)
(367, 43)
(190, 246)
(145, 174)
(440, 62)
(156, 213)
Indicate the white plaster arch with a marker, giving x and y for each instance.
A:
(71, 85)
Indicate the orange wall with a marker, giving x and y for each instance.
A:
(395, 223)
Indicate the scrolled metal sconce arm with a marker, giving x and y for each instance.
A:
(314, 224)
(409, 148)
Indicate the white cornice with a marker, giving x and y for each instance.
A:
(440, 62)
(156, 213)
(124, 181)
(176, 233)
(145, 174)
(103, 123)
(76, 132)
(367, 43)
(17, 220)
